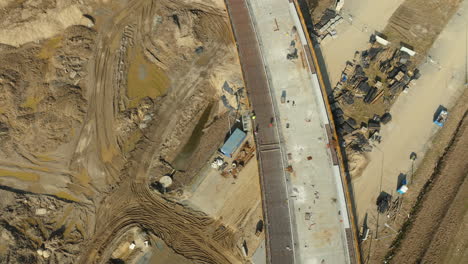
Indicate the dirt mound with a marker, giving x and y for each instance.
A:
(112, 106)
(32, 224)
(418, 23)
(41, 93)
(34, 20)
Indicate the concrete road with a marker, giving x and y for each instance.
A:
(321, 237)
(310, 200)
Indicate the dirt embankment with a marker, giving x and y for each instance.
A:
(37, 228)
(42, 96)
(35, 20)
(417, 23)
(434, 208)
(438, 215)
(43, 103)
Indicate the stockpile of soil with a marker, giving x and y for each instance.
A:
(418, 23)
(42, 93)
(39, 229)
(102, 111)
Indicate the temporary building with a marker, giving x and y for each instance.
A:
(233, 142)
(381, 40)
(410, 52)
(403, 189)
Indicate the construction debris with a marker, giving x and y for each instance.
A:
(383, 202)
(292, 51)
(327, 26)
(239, 160)
(373, 80)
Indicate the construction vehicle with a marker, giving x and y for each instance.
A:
(441, 116)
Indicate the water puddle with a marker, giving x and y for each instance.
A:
(145, 79)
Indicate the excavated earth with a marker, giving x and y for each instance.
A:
(105, 98)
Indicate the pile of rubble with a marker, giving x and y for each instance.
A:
(40, 229)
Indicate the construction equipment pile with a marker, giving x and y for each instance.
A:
(366, 90)
(245, 154)
(326, 26)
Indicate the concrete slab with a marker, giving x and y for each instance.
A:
(313, 188)
(259, 257)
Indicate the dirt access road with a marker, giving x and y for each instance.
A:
(132, 203)
(377, 246)
(442, 210)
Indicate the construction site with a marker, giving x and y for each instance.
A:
(111, 114)
(159, 131)
(392, 69)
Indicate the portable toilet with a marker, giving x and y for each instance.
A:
(403, 187)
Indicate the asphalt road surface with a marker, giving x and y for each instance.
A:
(279, 235)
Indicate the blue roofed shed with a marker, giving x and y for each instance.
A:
(233, 142)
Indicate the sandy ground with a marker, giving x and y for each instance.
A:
(235, 202)
(412, 129)
(366, 16)
(35, 27)
(111, 165)
(381, 237)
(441, 210)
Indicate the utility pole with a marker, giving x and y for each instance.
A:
(466, 54)
(229, 122)
(413, 157)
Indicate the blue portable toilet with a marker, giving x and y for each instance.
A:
(403, 188)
